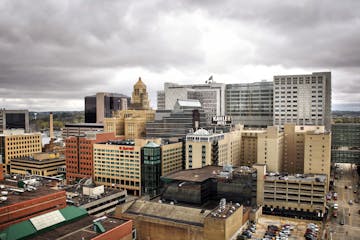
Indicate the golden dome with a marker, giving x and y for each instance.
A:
(139, 84)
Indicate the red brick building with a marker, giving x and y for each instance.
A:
(22, 206)
(79, 155)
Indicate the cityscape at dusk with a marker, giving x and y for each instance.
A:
(179, 120)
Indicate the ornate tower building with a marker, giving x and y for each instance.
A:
(140, 98)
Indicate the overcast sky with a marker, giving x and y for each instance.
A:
(53, 53)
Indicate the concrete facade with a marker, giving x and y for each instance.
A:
(270, 149)
(42, 164)
(303, 99)
(207, 148)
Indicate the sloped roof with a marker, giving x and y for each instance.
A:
(18, 231)
(26, 228)
(152, 145)
(168, 212)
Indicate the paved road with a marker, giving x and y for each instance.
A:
(351, 227)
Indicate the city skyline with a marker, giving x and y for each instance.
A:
(52, 58)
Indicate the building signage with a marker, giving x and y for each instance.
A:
(125, 148)
(221, 120)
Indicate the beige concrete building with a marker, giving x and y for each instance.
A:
(16, 144)
(294, 146)
(207, 148)
(129, 123)
(270, 148)
(161, 221)
(249, 146)
(317, 152)
(171, 158)
(296, 192)
(43, 164)
(117, 164)
(140, 98)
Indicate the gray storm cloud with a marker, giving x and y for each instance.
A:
(53, 53)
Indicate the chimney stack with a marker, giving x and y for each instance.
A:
(51, 126)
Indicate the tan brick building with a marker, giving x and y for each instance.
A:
(17, 144)
(43, 164)
(270, 148)
(207, 148)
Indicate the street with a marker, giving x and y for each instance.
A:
(351, 228)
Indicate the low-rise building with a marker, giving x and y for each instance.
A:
(24, 199)
(162, 221)
(201, 185)
(295, 195)
(96, 200)
(71, 223)
(16, 144)
(42, 164)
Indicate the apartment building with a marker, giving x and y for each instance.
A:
(208, 148)
(16, 144)
(250, 104)
(79, 155)
(303, 99)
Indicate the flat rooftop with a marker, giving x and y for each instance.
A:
(202, 174)
(195, 175)
(321, 178)
(79, 199)
(80, 229)
(13, 197)
(98, 125)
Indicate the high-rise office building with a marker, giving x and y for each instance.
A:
(14, 119)
(102, 105)
(345, 143)
(211, 96)
(303, 99)
(187, 115)
(160, 100)
(250, 104)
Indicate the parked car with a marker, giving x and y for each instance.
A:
(350, 202)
